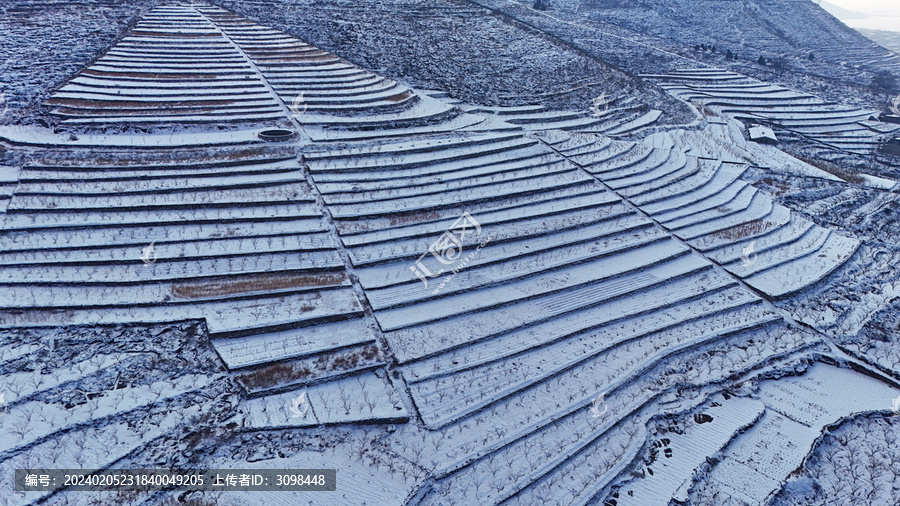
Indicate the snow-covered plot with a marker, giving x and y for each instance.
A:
(92, 447)
(558, 443)
(87, 448)
(317, 85)
(91, 406)
(365, 474)
(32, 421)
(262, 348)
(852, 463)
(754, 465)
(554, 303)
(17, 384)
(37, 135)
(247, 230)
(879, 182)
(363, 398)
(741, 97)
(9, 177)
(617, 116)
(149, 58)
(704, 203)
(10, 353)
(672, 457)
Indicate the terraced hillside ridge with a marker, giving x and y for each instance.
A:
(173, 66)
(464, 50)
(612, 116)
(209, 65)
(448, 303)
(703, 202)
(789, 414)
(807, 116)
(568, 289)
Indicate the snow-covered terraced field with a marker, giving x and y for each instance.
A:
(519, 291)
(9, 177)
(204, 64)
(175, 65)
(225, 254)
(241, 244)
(314, 81)
(796, 411)
(566, 289)
(704, 202)
(615, 117)
(675, 453)
(812, 118)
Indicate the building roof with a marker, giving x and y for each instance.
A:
(759, 133)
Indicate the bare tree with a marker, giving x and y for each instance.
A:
(345, 398)
(21, 428)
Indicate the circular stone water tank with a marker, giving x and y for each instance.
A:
(276, 134)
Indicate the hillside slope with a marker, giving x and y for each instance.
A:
(789, 27)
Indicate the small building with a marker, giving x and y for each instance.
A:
(762, 135)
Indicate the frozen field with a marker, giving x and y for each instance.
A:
(810, 117)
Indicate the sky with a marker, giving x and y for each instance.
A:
(878, 14)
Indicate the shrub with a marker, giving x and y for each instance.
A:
(885, 80)
(834, 170)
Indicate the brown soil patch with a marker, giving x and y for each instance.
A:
(274, 374)
(293, 59)
(400, 97)
(253, 283)
(746, 229)
(161, 111)
(415, 217)
(230, 233)
(172, 35)
(149, 75)
(289, 372)
(286, 51)
(115, 104)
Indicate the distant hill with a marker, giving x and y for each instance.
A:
(775, 27)
(840, 12)
(890, 40)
